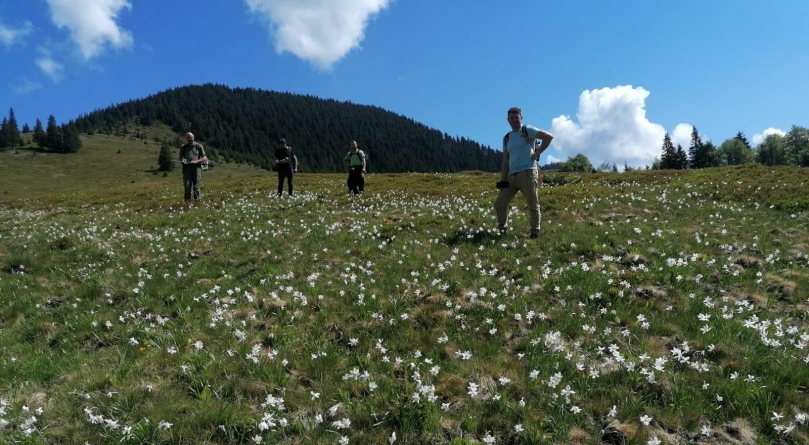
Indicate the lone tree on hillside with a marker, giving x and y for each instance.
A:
(164, 158)
(53, 136)
(39, 134)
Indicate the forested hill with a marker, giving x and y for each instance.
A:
(243, 124)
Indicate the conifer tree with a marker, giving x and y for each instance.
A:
(695, 150)
(70, 143)
(740, 136)
(39, 134)
(681, 159)
(668, 157)
(53, 136)
(164, 159)
(13, 132)
(26, 128)
(4, 139)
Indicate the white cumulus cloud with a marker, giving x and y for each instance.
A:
(759, 137)
(92, 23)
(10, 36)
(50, 67)
(682, 136)
(612, 126)
(318, 31)
(26, 86)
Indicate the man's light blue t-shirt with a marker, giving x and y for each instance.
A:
(519, 150)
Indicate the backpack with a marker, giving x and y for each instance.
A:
(349, 154)
(524, 133)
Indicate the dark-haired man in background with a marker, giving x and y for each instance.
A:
(287, 164)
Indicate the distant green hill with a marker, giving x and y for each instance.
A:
(243, 124)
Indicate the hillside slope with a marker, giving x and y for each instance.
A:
(244, 124)
(104, 162)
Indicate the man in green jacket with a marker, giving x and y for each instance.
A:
(354, 161)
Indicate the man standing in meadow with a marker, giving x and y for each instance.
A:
(518, 171)
(286, 163)
(192, 156)
(355, 163)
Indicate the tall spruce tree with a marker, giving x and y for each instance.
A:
(164, 159)
(740, 136)
(53, 136)
(668, 156)
(13, 129)
(5, 141)
(695, 150)
(681, 158)
(26, 128)
(39, 134)
(71, 143)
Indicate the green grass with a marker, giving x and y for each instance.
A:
(105, 162)
(681, 296)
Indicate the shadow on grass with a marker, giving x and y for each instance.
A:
(461, 237)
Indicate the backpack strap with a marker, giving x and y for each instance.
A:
(357, 154)
(523, 131)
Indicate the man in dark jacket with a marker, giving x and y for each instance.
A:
(286, 163)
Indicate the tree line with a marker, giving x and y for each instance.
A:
(59, 139)
(243, 125)
(776, 149)
(791, 148)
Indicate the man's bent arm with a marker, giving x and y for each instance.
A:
(546, 141)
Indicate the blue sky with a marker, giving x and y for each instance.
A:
(606, 78)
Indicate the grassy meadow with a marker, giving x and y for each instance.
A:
(657, 307)
(104, 161)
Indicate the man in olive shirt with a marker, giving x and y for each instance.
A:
(192, 155)
(354, 161)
